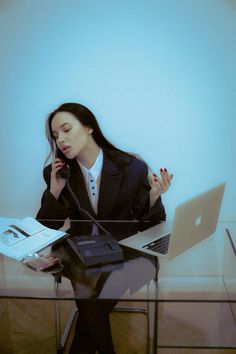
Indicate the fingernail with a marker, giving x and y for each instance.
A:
(161, 169)
(155, 179)
(165, 169)
(154, 175)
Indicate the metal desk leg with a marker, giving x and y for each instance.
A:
(57, 314)
(153, 325)
(153, 315)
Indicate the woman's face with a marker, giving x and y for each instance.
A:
(70, 135)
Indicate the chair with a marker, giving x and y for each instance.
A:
(61, 338)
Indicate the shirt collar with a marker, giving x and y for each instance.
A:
(95, 170)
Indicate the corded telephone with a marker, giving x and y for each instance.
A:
(92, 250)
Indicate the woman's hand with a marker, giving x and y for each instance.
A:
(159, 185)
(57, 183)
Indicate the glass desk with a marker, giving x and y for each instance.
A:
(192, 304)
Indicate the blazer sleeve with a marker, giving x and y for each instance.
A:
(141, 210)
(51, 208)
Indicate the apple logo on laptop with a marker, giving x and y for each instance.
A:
(198, 220)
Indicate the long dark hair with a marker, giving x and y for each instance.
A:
(87, 118)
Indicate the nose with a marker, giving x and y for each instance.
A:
(60, 137)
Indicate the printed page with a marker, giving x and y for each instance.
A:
(28, 226)
(10, 236)
(18, 230)
(23, 237)
(36, 243)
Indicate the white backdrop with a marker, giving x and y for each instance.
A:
(159, 75)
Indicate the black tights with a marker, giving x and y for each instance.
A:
(92, 330)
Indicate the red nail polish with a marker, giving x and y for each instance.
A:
(161, 169)
(154, 175)
(155, 179)
(165, 169)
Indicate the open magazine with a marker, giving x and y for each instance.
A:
(20, 238)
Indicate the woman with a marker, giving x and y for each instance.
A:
(111, 185)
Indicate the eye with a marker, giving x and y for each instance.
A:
(66, 130)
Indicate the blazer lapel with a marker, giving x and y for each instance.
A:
(79, 188)
(109, 188)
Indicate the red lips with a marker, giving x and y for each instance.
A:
(65, 148)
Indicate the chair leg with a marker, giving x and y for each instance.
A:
(68, 327)
(139, 310)
(61, 339)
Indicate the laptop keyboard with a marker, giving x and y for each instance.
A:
(160, 245)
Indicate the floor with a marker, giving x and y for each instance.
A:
(32, 328)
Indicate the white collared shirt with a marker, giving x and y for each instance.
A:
(92, 179)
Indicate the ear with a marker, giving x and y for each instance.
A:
(89, 129)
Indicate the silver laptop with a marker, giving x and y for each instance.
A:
(194, 220)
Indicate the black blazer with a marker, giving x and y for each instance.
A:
(123, 195)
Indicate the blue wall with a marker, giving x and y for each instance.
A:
(159, 75)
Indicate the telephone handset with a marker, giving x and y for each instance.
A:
(64, 172)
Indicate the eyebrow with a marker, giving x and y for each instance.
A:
(53, 131)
